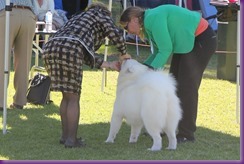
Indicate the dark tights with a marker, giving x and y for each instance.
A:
(70, 114)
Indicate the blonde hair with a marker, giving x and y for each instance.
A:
(100, 5)
(131, 12)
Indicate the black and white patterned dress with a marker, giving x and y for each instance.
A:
(75, 44)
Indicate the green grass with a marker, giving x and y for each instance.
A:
(33, 133)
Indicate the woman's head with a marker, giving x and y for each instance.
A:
(132, 19)
(100, 5)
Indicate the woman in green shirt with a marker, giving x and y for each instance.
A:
(188, 37)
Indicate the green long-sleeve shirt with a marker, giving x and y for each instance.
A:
(171, 29)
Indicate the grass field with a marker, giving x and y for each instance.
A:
(33, 133)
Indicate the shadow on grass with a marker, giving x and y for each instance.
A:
(34, 135)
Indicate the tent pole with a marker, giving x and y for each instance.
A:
(238, 73)
(137, 46)
(6, 71)
(180, 3)
(125, 6)
(104, 75)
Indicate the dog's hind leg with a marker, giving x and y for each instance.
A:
(115, 125)
(174, 115)
(172, 138)
(154, 130)
(170, 130)
(135, 132)
(153, 120)
(157, 141)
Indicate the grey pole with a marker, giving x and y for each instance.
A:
(6, 71)
(238, 66)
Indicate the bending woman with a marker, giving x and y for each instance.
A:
(65, 53)
(185, 34)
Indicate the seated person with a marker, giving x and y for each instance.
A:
(75, 6)
(151, 4)
(42, 6)
(58, 4)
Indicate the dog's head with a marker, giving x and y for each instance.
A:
(130, 71)
(131, 66)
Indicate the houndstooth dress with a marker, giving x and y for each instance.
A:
(75, 44)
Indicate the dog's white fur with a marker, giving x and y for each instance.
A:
(146, 98)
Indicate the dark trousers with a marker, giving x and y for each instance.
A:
(188, 70)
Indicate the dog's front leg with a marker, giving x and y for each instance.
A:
(115, 125)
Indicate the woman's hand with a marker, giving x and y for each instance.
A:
(123, 57)
(114, 65)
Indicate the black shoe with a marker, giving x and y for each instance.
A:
(184, 139)
(15, 106)
(1, 108)
(78, 144)
(61, 141)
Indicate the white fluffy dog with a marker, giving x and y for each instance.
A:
(146, 98)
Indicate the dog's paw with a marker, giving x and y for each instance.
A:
(133, 140)
(109, 141)
(153, 149)
(171, 148)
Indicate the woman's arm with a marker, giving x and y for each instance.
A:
(114, 65)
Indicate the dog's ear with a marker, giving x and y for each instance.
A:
(127, 66)
(131, 69)
(131, 66)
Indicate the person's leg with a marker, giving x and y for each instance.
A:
(12, 28)
(66, 77)
(187, 91)
(188, 83)
(72, 120)
(23, 54)
(188, 70)
(64, 122)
